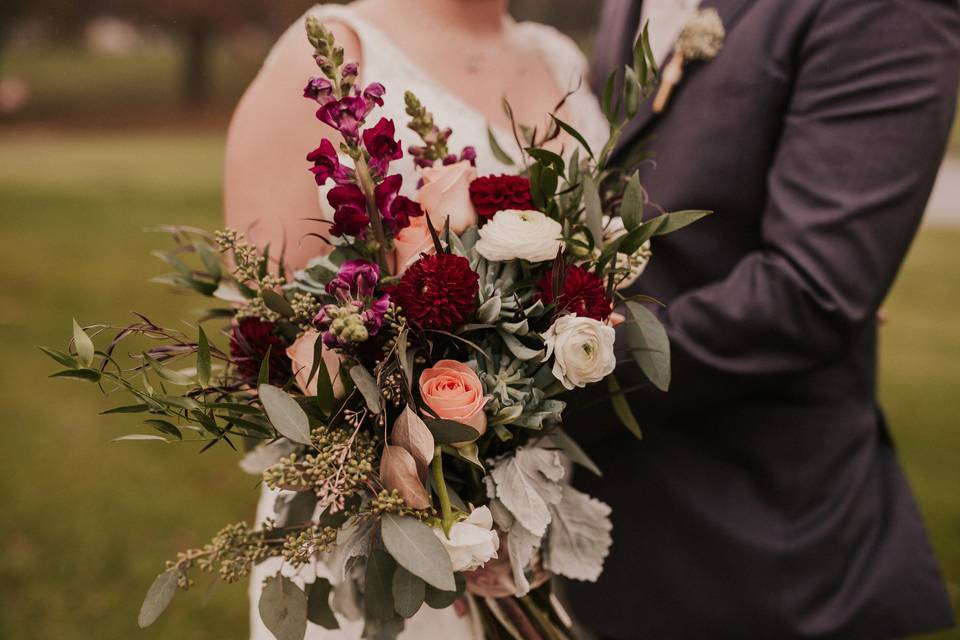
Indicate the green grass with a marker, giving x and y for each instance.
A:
(87, 524)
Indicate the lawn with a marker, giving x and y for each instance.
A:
(87, 524)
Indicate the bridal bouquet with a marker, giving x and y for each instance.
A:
(404, 391)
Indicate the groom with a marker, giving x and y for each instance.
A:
(765, 500)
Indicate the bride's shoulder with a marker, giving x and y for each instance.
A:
(558, 46)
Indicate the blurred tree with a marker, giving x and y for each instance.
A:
(576, 18)
(198, 23)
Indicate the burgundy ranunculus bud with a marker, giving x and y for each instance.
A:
(583, 293)
(491, 194)
(249, 340)
(350, 211)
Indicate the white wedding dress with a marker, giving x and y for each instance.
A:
(384, 62)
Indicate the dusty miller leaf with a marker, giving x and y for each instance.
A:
(528, 482)
(579, 537)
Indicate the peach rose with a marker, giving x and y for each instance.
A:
(410, 243)
(446, 192)
(301, 355)
(454, 392)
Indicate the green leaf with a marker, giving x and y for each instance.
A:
(606, 100)
(450, 431)
(83, 345)
(203, 359)
(158, 597)
(62, 358)
(285, 414)
(548, 158)
(318, 605)
(209, 260)
(325, 397)
(263, 375)
(573, 451)
(497, 150)
(283, 608)
(622, 408)
(276, 302)
(573, 134)
(418, 550)
(409, 592)
(130, 408)
(440, 599)
(594, 210)
(631, 209)
(635, 239)
(169, 375)
(649, 344)
(89, 375)
(166, 427)
(631, 92)
(368, 387)
(378, 586)
(679, 219)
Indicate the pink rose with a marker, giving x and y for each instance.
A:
(446, 192)
(454, 392)
(410, 243)
(301, 355)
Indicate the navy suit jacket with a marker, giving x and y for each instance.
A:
(766, 500)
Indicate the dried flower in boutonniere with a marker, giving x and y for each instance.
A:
(701, 39)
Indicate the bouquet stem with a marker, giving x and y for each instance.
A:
(445, 508)
(376, 222)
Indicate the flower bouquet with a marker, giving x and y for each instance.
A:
(403, 393)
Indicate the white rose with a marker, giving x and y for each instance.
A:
(472, 542)
(636, 263)
(582, 349)
(528, 235)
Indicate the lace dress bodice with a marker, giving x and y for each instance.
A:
(384, 62)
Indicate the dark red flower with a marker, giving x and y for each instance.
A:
(249, 341)
(382, 145)
(319, 89)
(344, 115)
(395, 209)
(490, 194)
(326, 164)
(349, 211)
(438, 292)
(583, 293)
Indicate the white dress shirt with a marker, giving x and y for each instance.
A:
(667, 19)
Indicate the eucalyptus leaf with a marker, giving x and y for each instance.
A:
(622, 407)
(277, 303)
(130, 408)
(631, 209)
(409, 592)
(417, 549)
(441, 599)
(677, 220)
(163, 426)
(83, 345)
(90, 375)
(649, 344)
(593, 210)
(450, 431)
(203, 359)
(283, 608)
(140, 436)
(378, 595)
(62, 358)
(318, 605)
(158, 598)
(166, 374)
(285, 414)
(368, 388)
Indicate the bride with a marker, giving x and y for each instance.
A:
(461, 58)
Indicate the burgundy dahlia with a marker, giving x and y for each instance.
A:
(438, 292)
(490, 194)
(583, 293)
(249, 341)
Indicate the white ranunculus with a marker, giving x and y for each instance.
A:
(582, 349)
(526, 235)
(472, 542)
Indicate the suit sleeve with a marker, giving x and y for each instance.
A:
(861, 144)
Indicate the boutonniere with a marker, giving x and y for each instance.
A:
(701, 39)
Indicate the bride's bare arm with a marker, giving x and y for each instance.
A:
(267, 189)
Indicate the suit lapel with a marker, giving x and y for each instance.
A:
(730, 13)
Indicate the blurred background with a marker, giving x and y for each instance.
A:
(112, 119)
